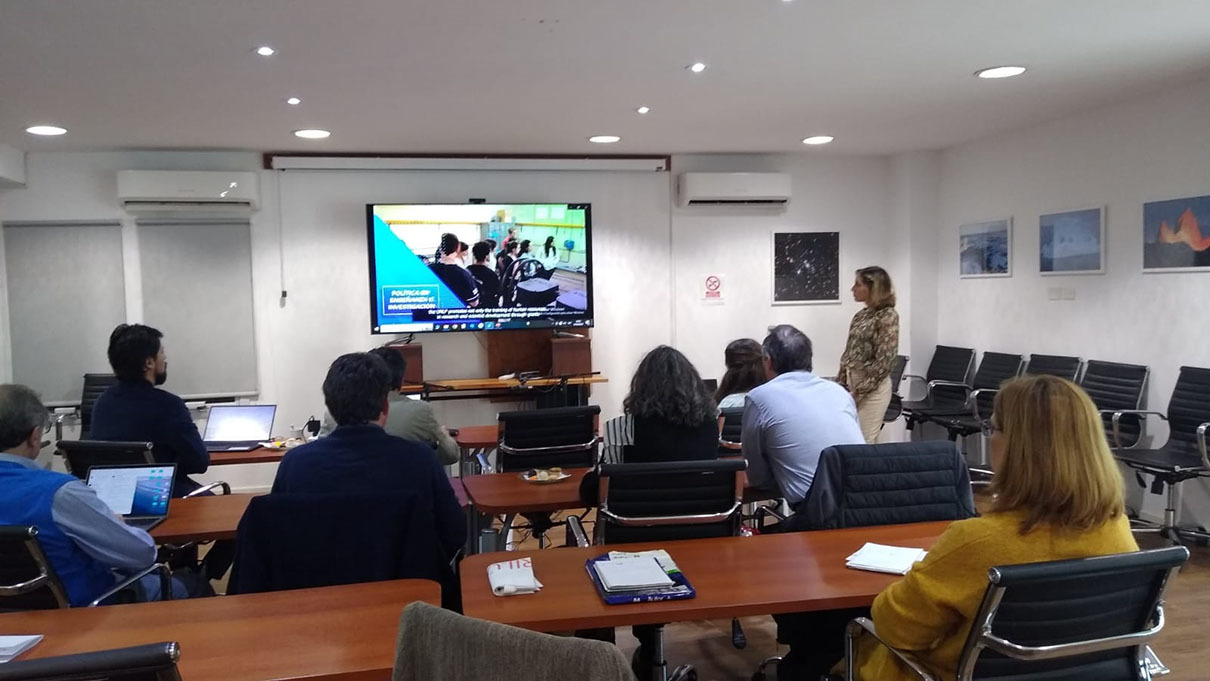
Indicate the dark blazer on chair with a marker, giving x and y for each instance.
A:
(298, 541)
(886, 484)
(358, 460)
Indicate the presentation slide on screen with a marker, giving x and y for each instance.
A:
(472, 267)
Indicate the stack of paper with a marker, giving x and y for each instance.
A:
(895, 560)
(632, 574)
(513, 577)
(12, 646)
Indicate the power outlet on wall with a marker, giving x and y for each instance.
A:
(1060, 293)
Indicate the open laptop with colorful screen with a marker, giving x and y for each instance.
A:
(139, 493)
(238, 427)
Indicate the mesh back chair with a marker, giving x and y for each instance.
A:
(731, 428)
(1116, 387)
(666, 501)
(994, 369)
(1087, 619)
(1053, 365)
(895, 408)
(1183, 456)
(27, 581)
(83, 455)
(887, 484)
(882, 484)
(945, 382)
(150, 662)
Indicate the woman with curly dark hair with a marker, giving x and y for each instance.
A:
(674, 417)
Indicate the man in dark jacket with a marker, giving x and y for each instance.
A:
(135, 410)
(360, 458)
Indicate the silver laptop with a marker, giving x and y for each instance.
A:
(140, 493)
(238, 427)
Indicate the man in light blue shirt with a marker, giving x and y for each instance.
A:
(789, 420)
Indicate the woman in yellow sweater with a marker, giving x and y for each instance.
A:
(1058, 495)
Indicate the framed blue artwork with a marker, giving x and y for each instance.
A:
(985, 249)
(1072, 242)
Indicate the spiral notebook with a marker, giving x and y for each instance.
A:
(635, 577)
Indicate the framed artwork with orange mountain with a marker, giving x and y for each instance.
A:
(1176, 235)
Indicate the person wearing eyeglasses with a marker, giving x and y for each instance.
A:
(86, 543)
(1057, 495)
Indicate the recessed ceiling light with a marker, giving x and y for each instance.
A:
(294, 101)
(604, 139)
(818, 139)
(46, 130)
(312, 134)
(266, 51)
(1000, 72)
(697, 67)
(643, 109)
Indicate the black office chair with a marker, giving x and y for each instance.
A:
(565, 437)
(732, 428)
(994, 369)
(82, 455)
(711, 385)
(666, 501)
(94, 385)
(28, 581)
(1183, 457)
(151, 662)
(1087, 619)
(1053, 365)
(1117, 387)
(945, 383)
(895, 407)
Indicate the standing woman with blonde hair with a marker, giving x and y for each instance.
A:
(865, 366)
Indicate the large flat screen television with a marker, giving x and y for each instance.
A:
(479, 266)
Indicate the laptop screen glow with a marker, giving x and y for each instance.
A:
(138, 491)
(240, 423)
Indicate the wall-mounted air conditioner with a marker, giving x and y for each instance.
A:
(730, 189)
(173, 191)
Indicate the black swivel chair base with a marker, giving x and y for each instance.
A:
(648, 662)
(1168, 527)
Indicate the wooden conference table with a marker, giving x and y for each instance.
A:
(336, 632)
(258, 455)
(733, 576)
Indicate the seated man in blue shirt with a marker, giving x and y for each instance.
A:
(360, 457)
(789, 420)
(82, 538)
(135, 410)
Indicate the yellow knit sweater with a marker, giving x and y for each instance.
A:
(931, 609)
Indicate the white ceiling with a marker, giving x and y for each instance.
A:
(540, 76)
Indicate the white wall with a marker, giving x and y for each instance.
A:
(830, 194)
(1146, 149)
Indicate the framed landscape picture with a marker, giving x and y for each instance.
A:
(1072, 242)
(1176, 235)
(985, 249)
(806, 268)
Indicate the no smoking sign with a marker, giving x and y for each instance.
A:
(712, 288)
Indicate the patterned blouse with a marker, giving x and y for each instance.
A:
(871, 349)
